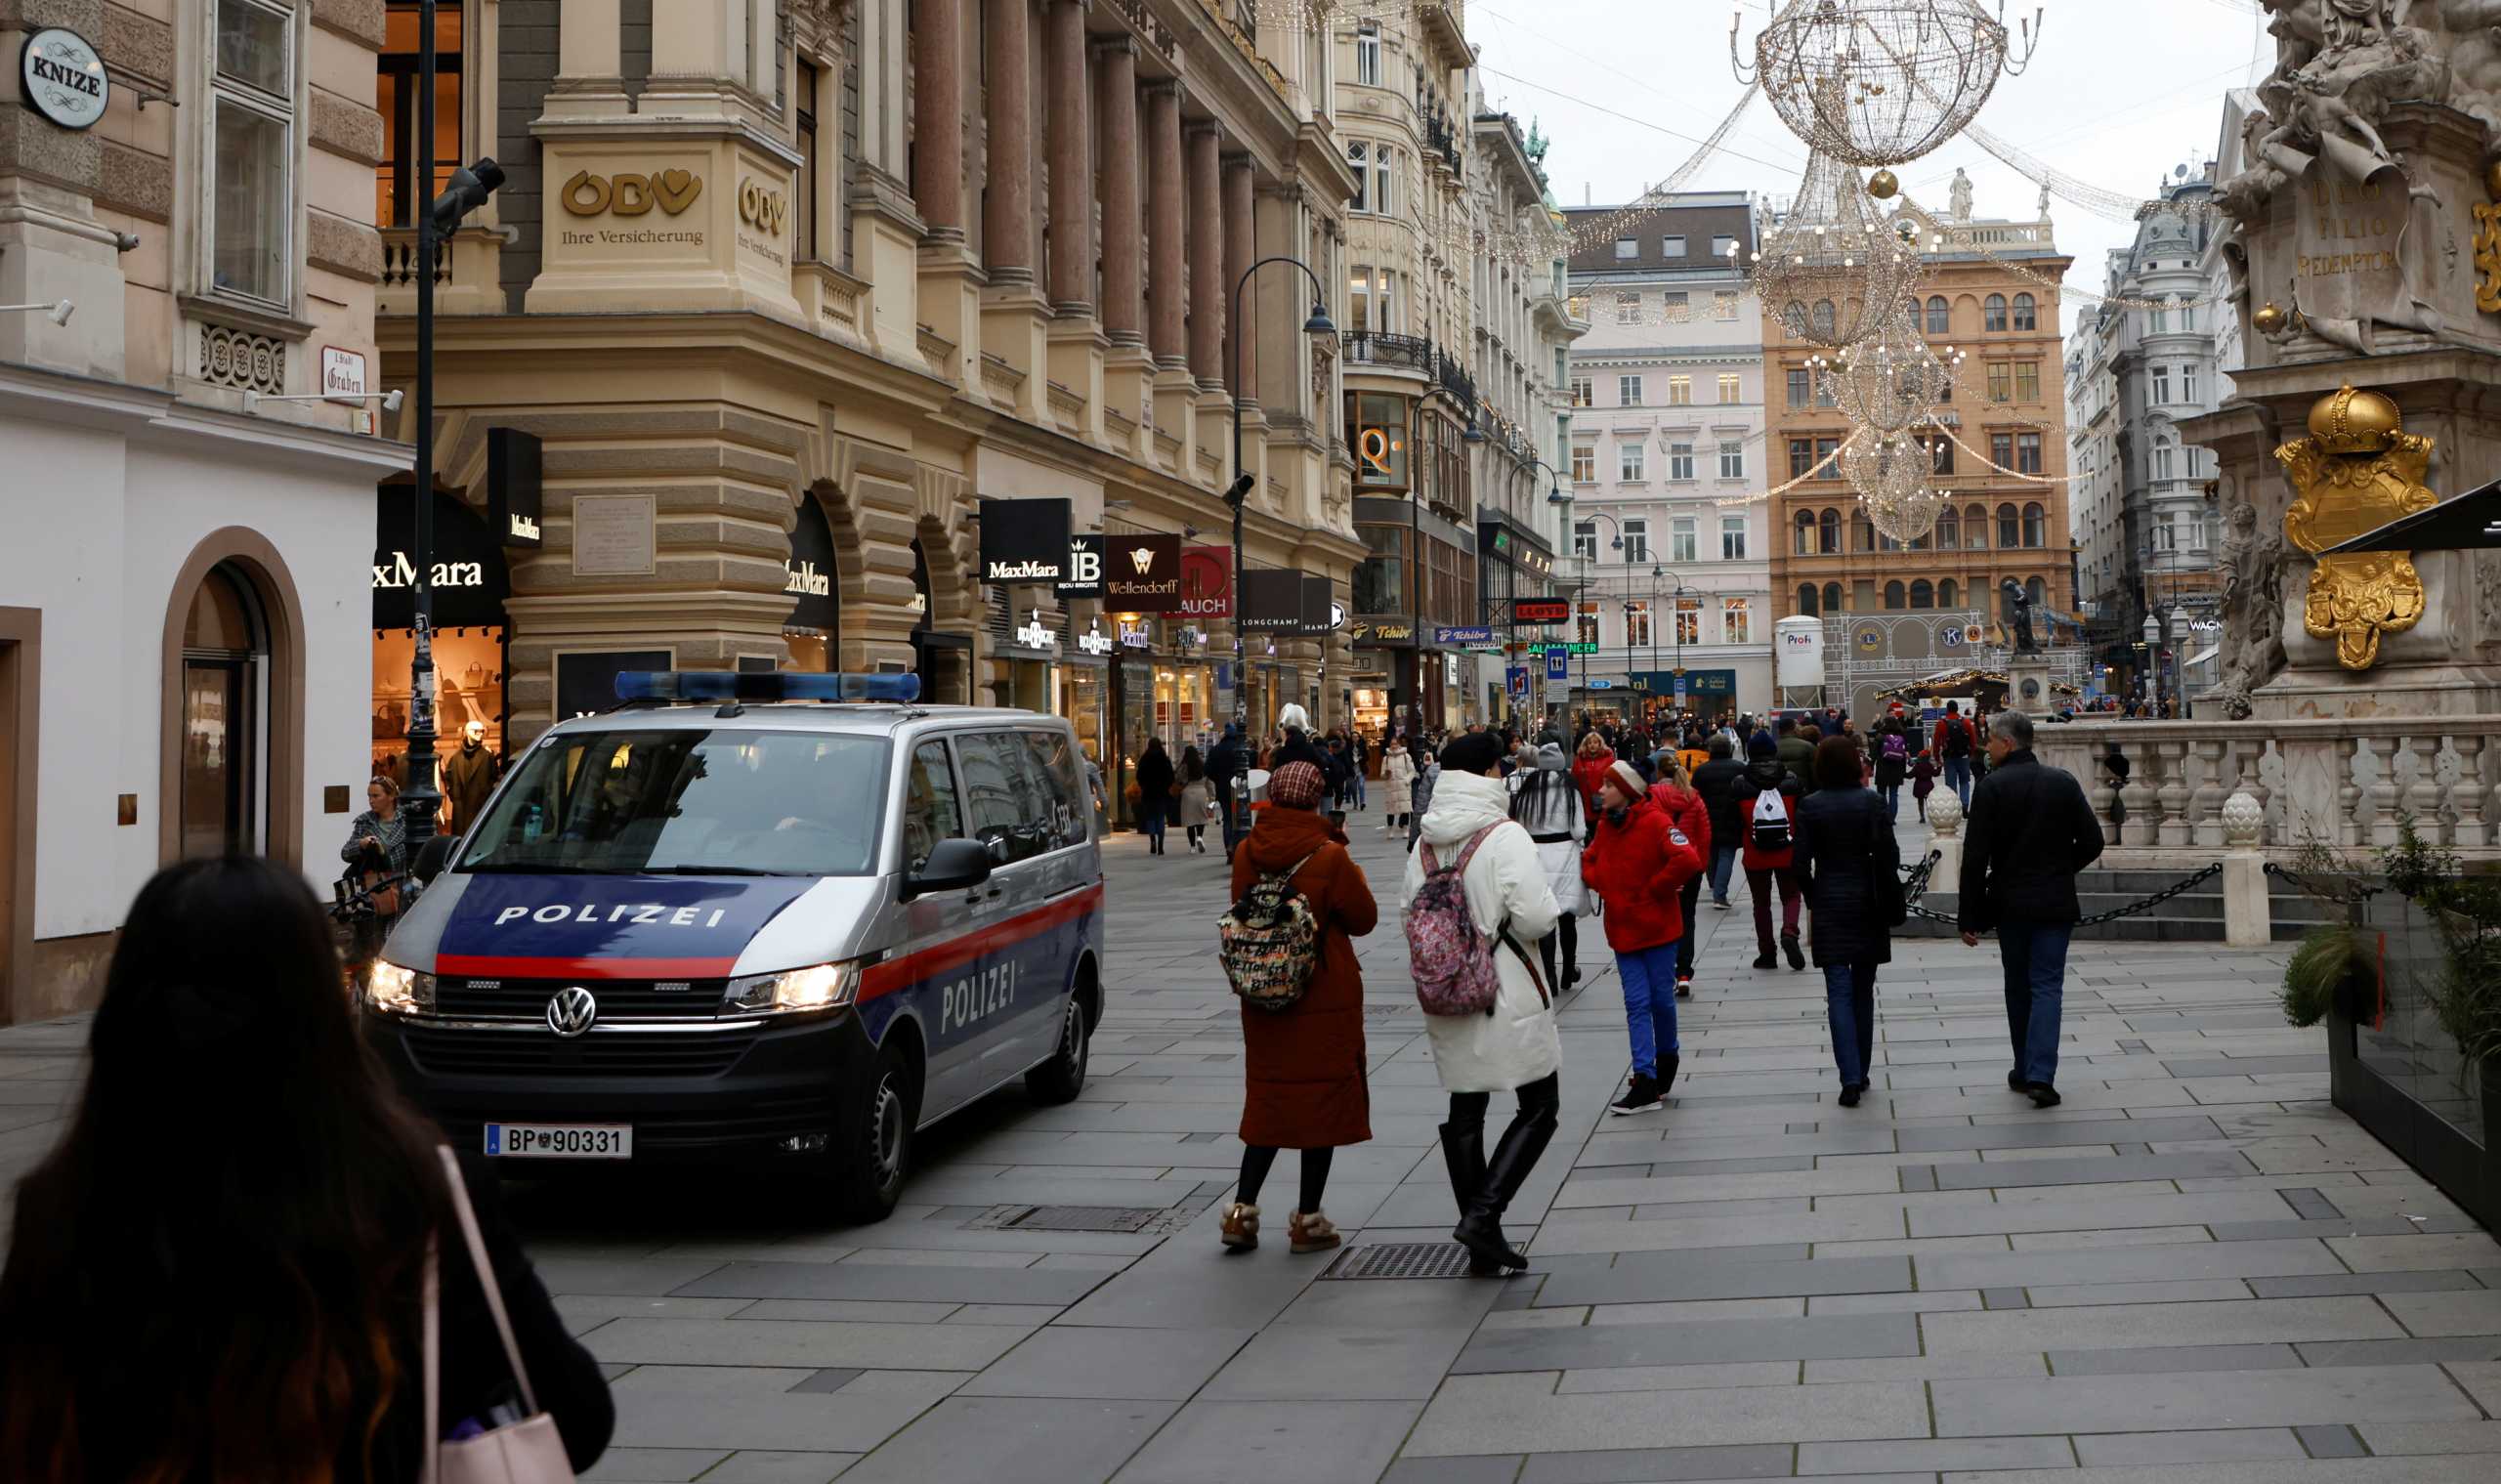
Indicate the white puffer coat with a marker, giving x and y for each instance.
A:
(1556, 810)
(1506, 884)
(1398, 771)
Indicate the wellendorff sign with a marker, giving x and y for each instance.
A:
(1142, 573)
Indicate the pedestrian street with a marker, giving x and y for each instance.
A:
(2195, 1269)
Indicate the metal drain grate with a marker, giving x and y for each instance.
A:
(1401, 1259)
(1069, 1218)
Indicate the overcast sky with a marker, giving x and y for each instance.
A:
(2120, 93)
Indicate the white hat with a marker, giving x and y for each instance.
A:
(1295, 716)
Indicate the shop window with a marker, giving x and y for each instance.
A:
(224, 649)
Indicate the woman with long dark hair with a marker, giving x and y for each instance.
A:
(1197, 799)
(218, 1277)
(1846, 856)
(1548, 802)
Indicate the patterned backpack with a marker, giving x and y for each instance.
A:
(1271, 942)
(1452, 962)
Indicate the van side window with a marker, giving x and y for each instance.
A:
(1055, 759)
(1003, 794)
(930, 810)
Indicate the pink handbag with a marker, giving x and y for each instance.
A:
(527, 1452)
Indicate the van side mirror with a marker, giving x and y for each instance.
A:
(956, 864)
(433, 855)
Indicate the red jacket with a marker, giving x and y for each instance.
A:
(1588, 772)
(1638, 868)
(1945, 724)
(1685, 810)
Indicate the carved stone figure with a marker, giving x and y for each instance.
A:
(2253, 607)
(2016, 605)
(1961, 195)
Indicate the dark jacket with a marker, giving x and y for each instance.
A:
(468, 777)
(1716, 781)
(1298, 747)
(1760, 776)
(1226, 762)
(1798, 755)
(1304, 1067)
(1843, 841)
(2031, 831)
(1890, 769)
(1155, 773)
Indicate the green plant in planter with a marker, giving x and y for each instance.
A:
(2332, 968)
(2465, 911)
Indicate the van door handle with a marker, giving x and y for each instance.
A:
(995, 891)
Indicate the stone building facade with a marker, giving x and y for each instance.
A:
(1988, 288)
(185, 232)
(1668, 444)
(782, 286)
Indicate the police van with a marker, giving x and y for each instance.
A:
(782, 919)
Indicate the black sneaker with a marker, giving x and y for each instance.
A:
(1721, 903)
(1685, 987)
(1768, 960)
(1640, 1096)
(2044, 1095)
(2014, 1081)
(1788, 945)
(1849, 1094)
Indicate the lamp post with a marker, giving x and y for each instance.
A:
(1676, 592)
(1415, 550)
(1554, 494)
(1581, 590)
(1238, 491)
(467, 191)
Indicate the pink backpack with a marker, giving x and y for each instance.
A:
(1452, 962)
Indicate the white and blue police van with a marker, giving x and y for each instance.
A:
(783, 918)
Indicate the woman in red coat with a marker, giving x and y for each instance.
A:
(1637, 862)
(1304, 1065)
(1588, 770)
(1673, 794)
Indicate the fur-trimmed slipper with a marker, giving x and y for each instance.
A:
(1311, 1232)
(1241, 1226)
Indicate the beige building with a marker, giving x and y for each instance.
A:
(185, 232)
(782, 286)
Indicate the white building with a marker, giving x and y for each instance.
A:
(186, 578)
(1667, 447)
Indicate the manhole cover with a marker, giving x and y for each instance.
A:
(1401, 1259)
(1070, 1218)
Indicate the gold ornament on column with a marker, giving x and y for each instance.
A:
(2487, 244)
(2359, 470)
(2269, 319)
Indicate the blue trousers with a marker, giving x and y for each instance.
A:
(2035, 956)
(1849, 1004)
(1649, 978)
(1723, 858)
(1958, 776)
(1891, 794)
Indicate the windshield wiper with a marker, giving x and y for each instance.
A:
(720, 870)
(542, 868)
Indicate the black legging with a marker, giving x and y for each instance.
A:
(1568, 928)
(1258, 1159)
(1540, 1099)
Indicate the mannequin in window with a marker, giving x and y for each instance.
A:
(468, 777)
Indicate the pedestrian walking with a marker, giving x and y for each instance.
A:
(1428, 770)
(1360, 752)
(1893, 765)
(1767, 797)
(1506, 885)
(1546, 801)
(1195, 800)
(1674, 796)
(1954, 743)
(1923, 782)
(1304, 1065)
(378, 859)
(1798, 755)
(1639, 863)
(2031, 831)
(1716, 781)
(189, 1295)
(1228, 762)
(1850, 866)
(1398, 785)
(1590, 766)
(1155, 790)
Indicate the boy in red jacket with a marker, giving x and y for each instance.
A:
(1638, 861)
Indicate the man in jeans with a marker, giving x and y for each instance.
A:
(2031, 831)
(1955, 742)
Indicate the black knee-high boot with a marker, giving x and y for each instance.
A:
(1481, 1229)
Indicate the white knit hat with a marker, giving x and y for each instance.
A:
(1295, 716)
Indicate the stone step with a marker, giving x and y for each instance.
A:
(2143, 929)
(2201, 905)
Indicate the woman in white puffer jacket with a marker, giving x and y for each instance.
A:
(1546, 801)
(1514, 1047)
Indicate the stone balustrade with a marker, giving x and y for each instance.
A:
(2342, 782)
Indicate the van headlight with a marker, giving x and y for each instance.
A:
(396, 991)
(825, 986)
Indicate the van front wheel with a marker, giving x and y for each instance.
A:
(1060, 1078)
(874, 1148)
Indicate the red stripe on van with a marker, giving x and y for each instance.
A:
(491, 966)
(902, 973)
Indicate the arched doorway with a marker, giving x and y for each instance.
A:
(944, 662)
(224, 722)
(813, 579)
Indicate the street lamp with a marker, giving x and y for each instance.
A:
(1580, 590)
(1675, 593)
(467, 191)
(1415, 549)
(1553, 495)
(1236, 493)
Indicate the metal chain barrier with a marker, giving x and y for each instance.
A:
(1915, 887)
(2351, 892)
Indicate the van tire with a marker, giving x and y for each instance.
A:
(1063, 1077)
(873, 1146)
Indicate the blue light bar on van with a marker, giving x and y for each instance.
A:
(763, 685)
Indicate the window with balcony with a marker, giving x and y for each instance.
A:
(1628, 462)
(1940, 454)
(1802, 456)
(2163, 456)
(2028, 453)
(1585, 629)
(1679, 391)
(1828, 533)
(1584, 393)
(1585, 541)
(1368, 55)
(2001, 382)
(2161, 322)
(1949, 529)
(1672, 247)
(1732, 538)
(1732, 458)
(2036, 525)
(1680, 461)
(2027, 314)
(251, 162)
(1993, 313)
(2010, 528)
(1585, 466)
(2002, 450)
(1976, 529)
(1679, 309)
(1731, 390)
(1359, 160)
(1685, 540)
(2188, 384)
(1385, 179)
(1627, 309)
(1826, 448)
(1804, 540)
(1628, 391)
(1800, 387)
(2161, 385)
(1736, 621)
(1637, 624)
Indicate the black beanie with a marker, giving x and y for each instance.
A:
(1471, 753)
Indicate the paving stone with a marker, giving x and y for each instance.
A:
(2164, 1359)
(759, 1466)
(798, 1342)
(1308, 1363)
(1320, 1442)
(2184, 1401)
(1495, 1468)
(1111, 1365)
(1659, 1344)
(2392, 1255)
(2400, 1439)
(2003, 1299)
(2256, 1321)
(2229, 1445)
(1925, 1368)
(2087, 1213)
(2482, 1380)
(652, 1465)
(985, 1437)
(1865, 1457)
(832, 1379)
(649, 1275)
(2321, 1285)
(1486, 1413)
(2173, 1262)
(1928, 1301)
(2402, 1352)
(682, 1407)
(890, 1283)
(1666, 1276)
(2006, 1175)
(1658, 1465)
(2047, 1133)
(2447, 1314)
(1761, 1373)
(2185, 1291)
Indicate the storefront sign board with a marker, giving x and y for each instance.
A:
(1142, 573)
(513, 487)
(1025, 541)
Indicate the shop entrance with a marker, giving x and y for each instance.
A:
(470, 581)
(225, 649)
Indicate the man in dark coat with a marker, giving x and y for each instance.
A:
(1797, 755)
(1716, 781)
(1228, 762)
(2031, 831)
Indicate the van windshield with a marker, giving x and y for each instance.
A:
(681, 802)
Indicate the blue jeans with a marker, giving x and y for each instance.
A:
(1649, 978)
(1152, 815)
(1357, 785)
(1723, 858)
(1891, 794)
(1958, 776)
(1849, 1004)
(2035, 955)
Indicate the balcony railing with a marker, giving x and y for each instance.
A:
(1408, 353)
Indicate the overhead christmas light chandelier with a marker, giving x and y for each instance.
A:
(1880, 82)
(1834, 269)
(1890, 471)
(1889, 381)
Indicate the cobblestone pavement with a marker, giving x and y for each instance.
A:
(2196, 1270)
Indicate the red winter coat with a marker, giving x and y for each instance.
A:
(1686, 811)
(1303, 1067)
(1588, 772)
(1638, 868)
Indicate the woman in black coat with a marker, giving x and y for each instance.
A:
(1154, 793)
(1843, 840)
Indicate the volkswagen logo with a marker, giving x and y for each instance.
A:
(571, 1011)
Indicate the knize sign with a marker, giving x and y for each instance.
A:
(1541, 609)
